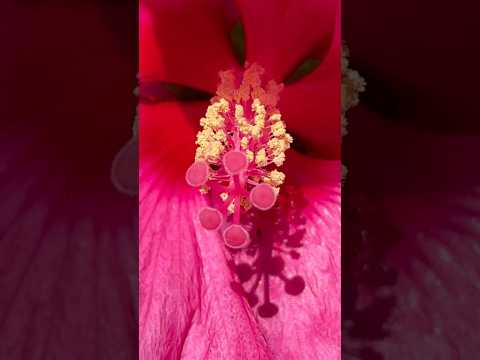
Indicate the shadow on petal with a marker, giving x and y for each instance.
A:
(277, 240)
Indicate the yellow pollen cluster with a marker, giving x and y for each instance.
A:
(244, 143)
(261, 158)
(241, 121)
(249, 154)
(278, 129)
(280, 140)
(243, 117)
(254, 129)
(279, 159)
(274, 178)
(259, 120)
(275, 117)
(211, 140)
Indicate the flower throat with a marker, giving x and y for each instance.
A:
(240, 146)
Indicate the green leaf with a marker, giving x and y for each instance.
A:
(237, 40)
(302, 70)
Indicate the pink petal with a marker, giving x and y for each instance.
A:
(297, 264)
(186, 305)
(167, 136)
(185, 42)
(424, 213)
(67, 238)
(190, 302)
(311, 106)
(280, 34)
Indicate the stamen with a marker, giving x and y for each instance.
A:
(242, 142)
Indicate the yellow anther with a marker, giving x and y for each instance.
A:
(220, 136)
(260, 113)
(279, 159)
(260, 121)
(205, 135)
(261, 158)
(256, 131)
(244, 126)
(204, 190)
(209, 150)
(223, 105)
(239, 111)
(224, 196)
(258, 107)
(212, 111)
(275, 178)
(244, 142)
(275, 117)
(278, 129)
(199, 154)
(278, 145)
(249, 155)
(213, 118)
(289, 138)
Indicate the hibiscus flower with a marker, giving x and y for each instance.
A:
(278, 296)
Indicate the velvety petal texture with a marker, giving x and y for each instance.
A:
(280, 298)
(292, 279)
(281, 34)
(185, 42)
(312, 105)
(194, 300)
(68, 238)
(423, 209)
(186, 308)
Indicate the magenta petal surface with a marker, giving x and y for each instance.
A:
(312, 105)
(68, 239)
(295, 270)
(423, 216)
(280, 34)
(187, 307)
(185, 41)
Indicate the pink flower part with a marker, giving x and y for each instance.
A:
(235, 162)
(210, 218)
(242, 143)
(197, 174)
(236, 237)
(263, 197)
(189, 306)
